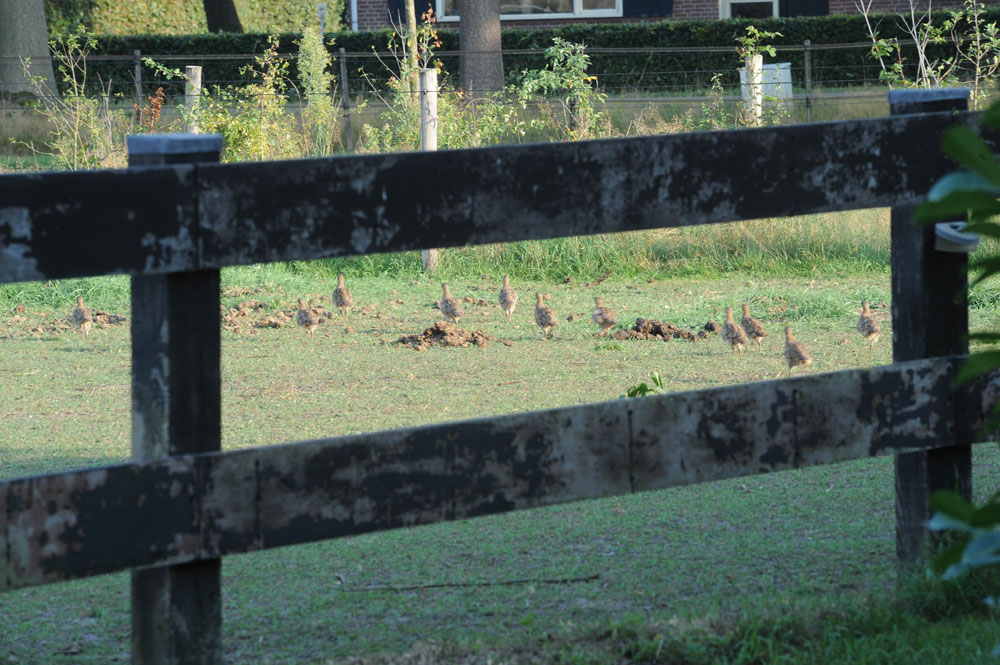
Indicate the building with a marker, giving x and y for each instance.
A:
(374, 14)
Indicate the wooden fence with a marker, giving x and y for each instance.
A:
(174, 218)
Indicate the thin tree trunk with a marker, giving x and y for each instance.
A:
(481, 63)
(24, 34)
(221, 16)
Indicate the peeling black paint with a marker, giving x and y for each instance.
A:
(180, 218)
(202, 506)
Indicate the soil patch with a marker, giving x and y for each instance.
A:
(651, 329)
(445, 333)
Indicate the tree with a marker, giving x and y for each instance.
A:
(481, 64)
(23, 34)
(222, 16)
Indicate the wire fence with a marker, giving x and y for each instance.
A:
(821, 81)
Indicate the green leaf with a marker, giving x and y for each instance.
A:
(987, 516)
(976, 365)
(951, 504)
(956, 205)
(989, 229)
(962, 181)
(948, 558)
(942, 522)
(969, 150)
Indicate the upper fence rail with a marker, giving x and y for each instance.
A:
(210, 216)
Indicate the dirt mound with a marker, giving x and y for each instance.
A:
(444, 333)
(651, 329)
(250, 315)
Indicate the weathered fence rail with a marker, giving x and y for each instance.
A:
(90, 522)
(173, 219)
(193, 217)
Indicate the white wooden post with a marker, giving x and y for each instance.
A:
(429, 139)
(192, 95)
(755, 100)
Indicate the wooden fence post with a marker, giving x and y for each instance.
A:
(930, 317)
(192, 97)
(176, 396)
(429, 139)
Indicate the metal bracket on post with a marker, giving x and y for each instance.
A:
(176, 410)
(930, 317)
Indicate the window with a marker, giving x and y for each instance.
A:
(528, 9)
(748, 9)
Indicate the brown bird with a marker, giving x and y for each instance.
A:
(544, 316)
(795, 352)
(449, 306)
(868, 326)
(306, 318)
(508, 297)
(603, 317)
(732, 334)
(752, 327)
(82, 318)
(341, 296)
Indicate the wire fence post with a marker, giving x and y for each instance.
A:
(429, 139)
(137, 63)
(192, 97)
(808, 67)
(346, 97)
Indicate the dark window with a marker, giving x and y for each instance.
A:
(640, 8)
(751, 9)
(805, 7)
(397, 12)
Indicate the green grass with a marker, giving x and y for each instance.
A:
(795, 567)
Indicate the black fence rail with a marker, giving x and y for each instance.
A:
(173, 219)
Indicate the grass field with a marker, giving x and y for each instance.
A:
(795, 567)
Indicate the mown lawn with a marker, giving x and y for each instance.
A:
(794, 567)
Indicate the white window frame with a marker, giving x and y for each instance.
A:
(578, 12)
(726, 7)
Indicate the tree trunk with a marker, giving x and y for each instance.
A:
(481, 64)
(222, 16)
(23, 34)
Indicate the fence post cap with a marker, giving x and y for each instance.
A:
(903, 102)
(173, 144)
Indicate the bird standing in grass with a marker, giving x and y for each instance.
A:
(449, 306)
(341, 296)
(82, 318)
(544, 316)
(752, 327)
(306, 318)
(868, 326)
(603, 317)
(733, 335)
(795, 352)
(508, 297)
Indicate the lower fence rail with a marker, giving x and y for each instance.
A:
(194, 507)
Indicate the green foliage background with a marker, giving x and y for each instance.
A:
(180, 17)
(121, 33)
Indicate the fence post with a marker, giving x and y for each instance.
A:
(429, 139)
(808, 67)
(137, 64)
(192, 97)
(930, 317)
(346, 96)
(176, 396)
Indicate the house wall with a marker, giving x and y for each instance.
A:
(373, 14)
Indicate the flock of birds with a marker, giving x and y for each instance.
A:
(749, 331)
